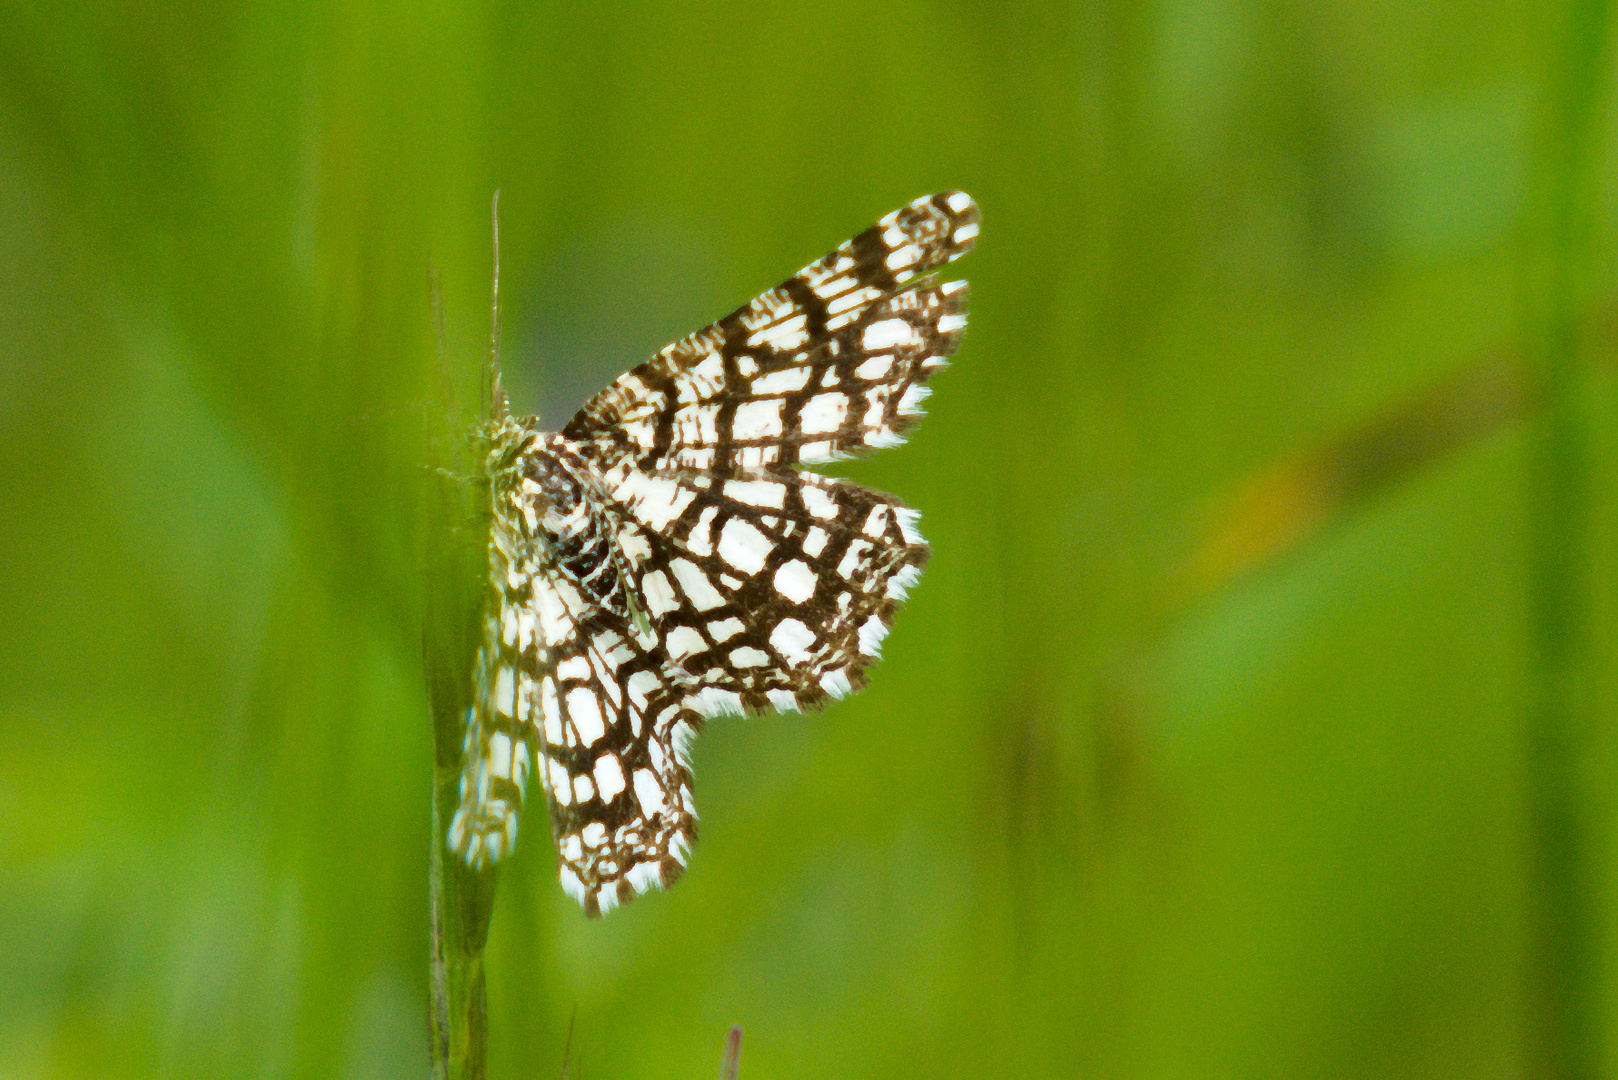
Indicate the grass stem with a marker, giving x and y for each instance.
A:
(1563, 996)
(460, 900)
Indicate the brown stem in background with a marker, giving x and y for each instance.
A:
(731, 1068)
(1545, 381)
(1283, 505)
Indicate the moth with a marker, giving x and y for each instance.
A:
(667, 558)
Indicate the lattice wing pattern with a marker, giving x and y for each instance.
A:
(614, 734)
(526, 621)
(663, 561)
(767, 590)
(830, 363)
(497, 754)
(606, 730)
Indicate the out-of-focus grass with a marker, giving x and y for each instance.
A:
(1202, 748)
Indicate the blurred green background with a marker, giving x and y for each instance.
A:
(1254, 718)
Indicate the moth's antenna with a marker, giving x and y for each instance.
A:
(498, 406)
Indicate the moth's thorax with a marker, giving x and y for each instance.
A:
(527, 475)
(543, 492)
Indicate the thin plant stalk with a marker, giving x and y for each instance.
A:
(1563, 995)
(460, 900)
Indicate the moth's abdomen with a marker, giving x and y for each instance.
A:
(576, 534)
(587, 558)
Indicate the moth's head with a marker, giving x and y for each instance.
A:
(504, 441)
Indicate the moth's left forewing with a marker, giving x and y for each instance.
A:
(826, 365)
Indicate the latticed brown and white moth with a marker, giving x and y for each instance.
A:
(664, 559)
